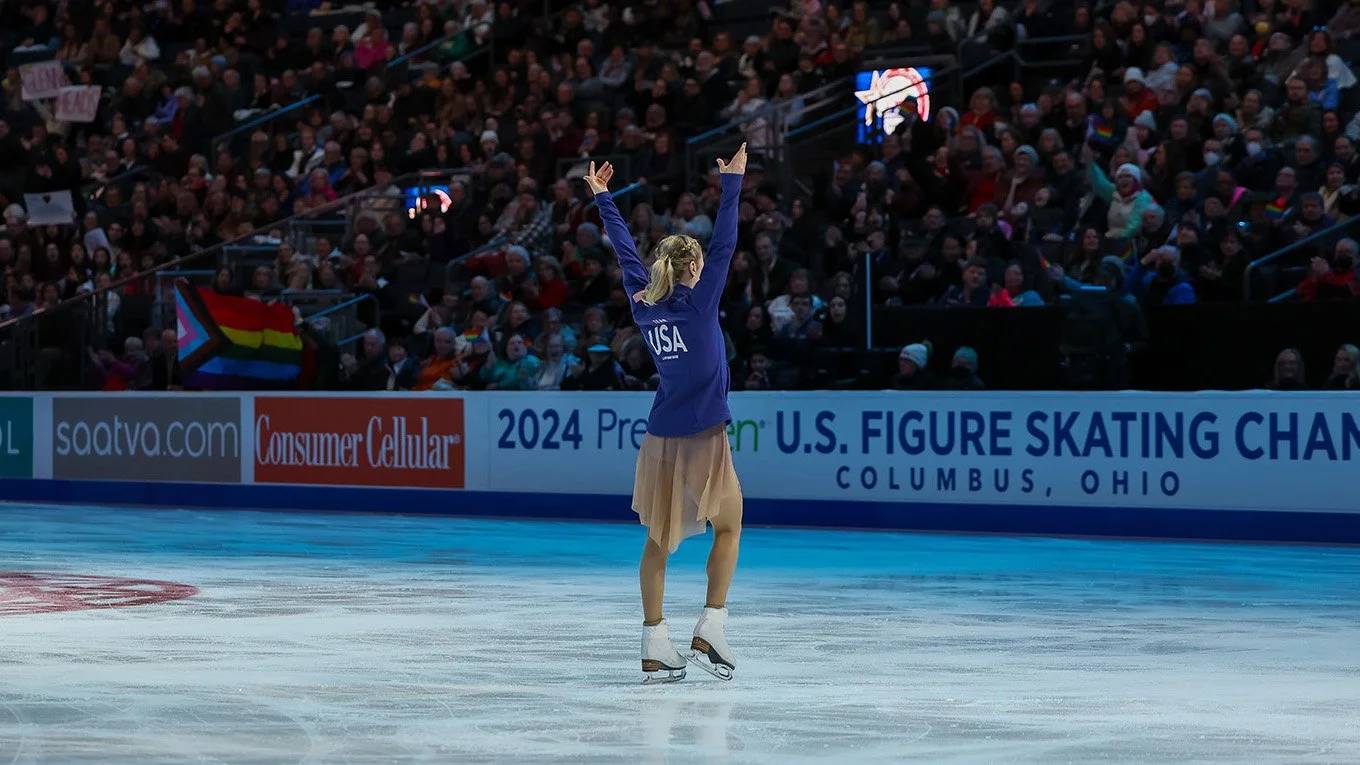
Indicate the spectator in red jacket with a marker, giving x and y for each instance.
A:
(1333, 280)
(1138, 97)
(550, 290)
(981, 112)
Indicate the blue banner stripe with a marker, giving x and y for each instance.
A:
(264, 370)
(1162, 522)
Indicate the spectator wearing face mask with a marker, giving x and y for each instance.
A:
(962, 374)
(1333, 279)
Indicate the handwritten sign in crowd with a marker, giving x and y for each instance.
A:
(42, 79)
(50, 208)
(78, 103)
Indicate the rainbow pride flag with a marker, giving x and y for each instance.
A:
(234, 343)
(1277, 207)
(1100, 131)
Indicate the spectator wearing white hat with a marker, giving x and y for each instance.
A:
(1137, 97)
(1126, 197)
(490, 142)
(912, 373)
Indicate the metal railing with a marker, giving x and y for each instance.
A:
(622, 192)
(339, 324)
(502, 240)
(269, 116)
(775, 116)
(1317, 236)
(451, 268)
(1020, 62)
(163, 309)
(136, 171)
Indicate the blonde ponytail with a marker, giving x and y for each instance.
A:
(673, 256)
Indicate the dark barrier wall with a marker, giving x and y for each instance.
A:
(1225, 346)
(1234, 346)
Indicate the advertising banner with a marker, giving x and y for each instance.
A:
(160, 438)
(1228, 451)
(16, 437)
(378, 441)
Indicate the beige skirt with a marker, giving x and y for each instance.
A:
(684, 482)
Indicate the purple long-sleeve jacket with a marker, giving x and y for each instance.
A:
(682, 331)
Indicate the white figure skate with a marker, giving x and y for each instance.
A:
(709, 648)
(659, 656)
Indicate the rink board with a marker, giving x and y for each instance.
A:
(1213, 465)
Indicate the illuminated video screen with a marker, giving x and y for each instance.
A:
(418, 197)
(884, 93)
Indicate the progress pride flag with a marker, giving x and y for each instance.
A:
(360, 441)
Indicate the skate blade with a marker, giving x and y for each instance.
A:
(702, 653)
(656, 678)
(720, 671)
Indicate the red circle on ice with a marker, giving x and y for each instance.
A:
(41, 593)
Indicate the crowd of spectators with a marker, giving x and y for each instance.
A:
(1193, 137)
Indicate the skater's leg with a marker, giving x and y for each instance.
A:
(722, 559)
(709, 649)
(653, 576)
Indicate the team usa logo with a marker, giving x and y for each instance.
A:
(884, 95)
(665, 340)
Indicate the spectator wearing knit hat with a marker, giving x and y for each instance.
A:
(1125, 197)
(962, 374)
(1137, 97)
(1022, 183)
(912, 372)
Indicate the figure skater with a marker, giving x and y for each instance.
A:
(685, 478)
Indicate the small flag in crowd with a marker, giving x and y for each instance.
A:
(1277, 207)
(234, 343)
(1099, 130)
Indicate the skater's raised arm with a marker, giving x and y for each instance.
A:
(724, 241)
(634, 273)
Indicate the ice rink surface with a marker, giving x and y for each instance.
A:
(348, 638)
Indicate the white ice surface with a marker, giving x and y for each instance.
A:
(353, 639)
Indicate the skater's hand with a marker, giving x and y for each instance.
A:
(736, 165)
(598, 180)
